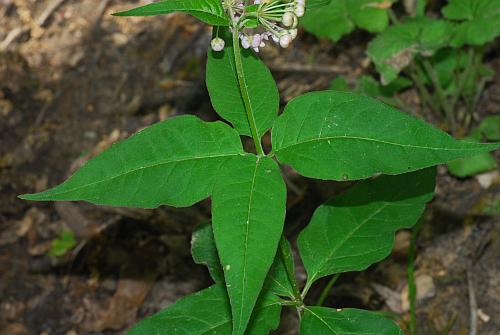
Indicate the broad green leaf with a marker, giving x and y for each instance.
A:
(490, 127)
(248, 211)
(204, 251)
(347, 321)
(174, 162)
(480, 21)
(224, 90)
(344, 136)
(311, 4)
(277, 280)
(340, 17)
(208, 11)
(208, 312)
(394, 48)
(356, 229)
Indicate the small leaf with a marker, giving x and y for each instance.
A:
(277, 280)
(208, 11)
(64, 242)
(356, 229)
(204, 251)
(394, 48)
(348, 321)
(340, 17)
(471, 166)
(248, 210)
(224, 90)
(344, 136)
(174, 162)
(208, 312)
(490, 127)
(339, 84)
(480, 21)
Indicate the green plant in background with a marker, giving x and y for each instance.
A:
(324, 135)
(443, 57)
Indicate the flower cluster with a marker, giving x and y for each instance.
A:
(262, 21)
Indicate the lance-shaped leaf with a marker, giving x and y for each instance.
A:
(225, 93)
(208, 11)
(208, 313)
(348, 321)
(174, 162)
(394, 48)
(248, 211)
(480, 21)
(277, 280)
(356, 229)
(340, 17)
(344, 136)
(204, 251)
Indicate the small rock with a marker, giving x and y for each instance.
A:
(425, 289)
(487, 179)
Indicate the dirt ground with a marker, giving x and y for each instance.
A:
(74, 79)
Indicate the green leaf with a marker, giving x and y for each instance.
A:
(356, 229)
(480, 21)
(311, 4)
(223, 87)
(208, 11)
(248, 211)
(204, 251)
(277, 280)
(471, 166)
(339, 84)
(208, 312)
(395, 47)
(64, 242)
(340, 17)
(174, 162)
(344, 136)
(348, 321)
(490, 127)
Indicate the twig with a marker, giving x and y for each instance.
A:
(472, 302)
(12, 36)
(103, 5)
(315, 68)
(47, 13)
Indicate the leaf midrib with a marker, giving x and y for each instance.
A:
(375, 140)
(142, 168)
(323, 321)
(245, 251)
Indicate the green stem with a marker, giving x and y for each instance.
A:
(450, 117)
(420, 8)
(416, 75)
(244, 93)
(283, 250)
(327, 289)
(412, 289)
(463, 78)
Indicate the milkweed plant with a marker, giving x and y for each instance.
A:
(324, 135)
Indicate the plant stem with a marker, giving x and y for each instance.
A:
(283, 250)
(412, 289)
(450, 117)
(420, 8)
(244, 93)
(463, 78)
(415, 75)
(326, 290)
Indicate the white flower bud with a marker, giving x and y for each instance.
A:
(295, 22)
(256, 39)
(285, 40)
(245, 42)
(217, 44)
(293, 33)
(300, 2)
(275, 38)
(299, 10)
(287, 19)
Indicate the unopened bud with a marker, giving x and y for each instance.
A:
(285, 40)
(299, 10)
(287, 19)
(293, 33)
(217, 44)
